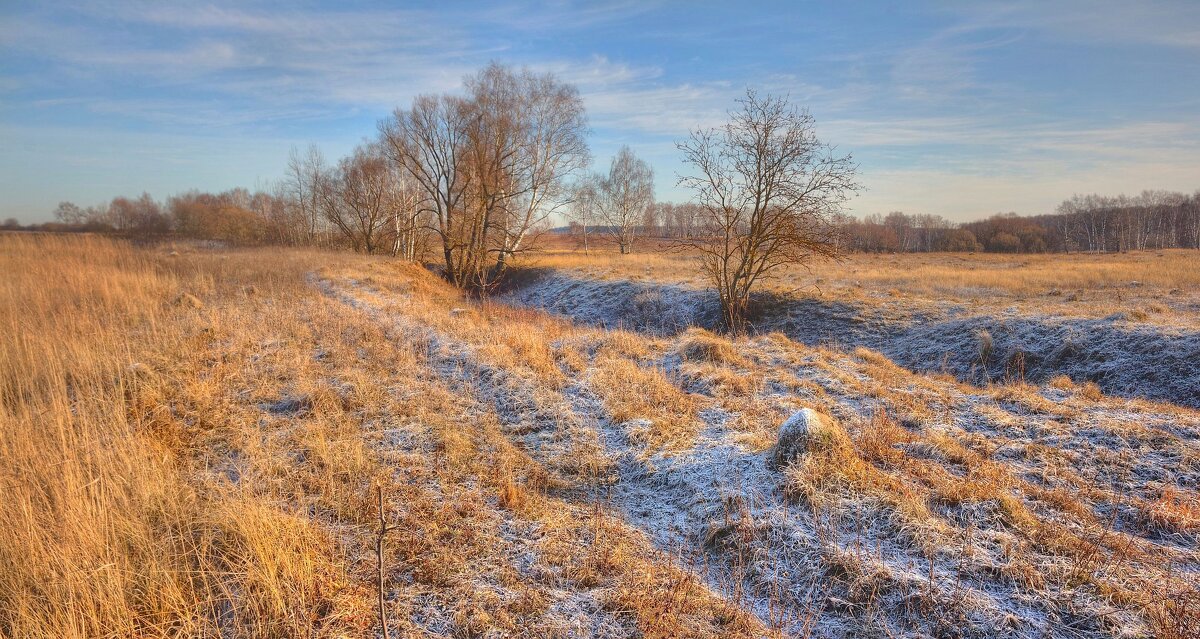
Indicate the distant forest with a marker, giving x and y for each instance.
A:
(1092, 223)
(1151, 220)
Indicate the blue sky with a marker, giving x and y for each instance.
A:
(959, 109)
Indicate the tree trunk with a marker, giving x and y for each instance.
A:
(733, 313)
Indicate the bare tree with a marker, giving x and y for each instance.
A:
(299, 189)
(650, 221)
(143, 216)
(70, 213)
(684, 218)
(546, 122)
(585, 205)
(1191, 220)
(407, 218)
(360, 198)
(628, 191)
(429, 141)
(493, 166)
(767, 187)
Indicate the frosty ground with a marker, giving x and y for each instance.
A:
(579, 457)
(948, 509)
(1122, 355)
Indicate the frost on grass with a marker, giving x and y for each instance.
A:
(1122, 357)
(933, 508)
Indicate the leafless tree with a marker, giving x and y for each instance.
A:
(628, 191)
(408, 223)
(684, 218)
(767, 187)
(492, 166)
(651, 219)
(70, 213)
(299, 189)
(1191, 220)
(429, 141)
(585, 205)
(551, 129)
(142, 216)
(360, 198)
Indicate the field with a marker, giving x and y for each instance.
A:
(1077, 284)
(197, 442)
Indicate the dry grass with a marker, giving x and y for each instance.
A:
(932, 273)
(103, 534)
(1146, 285)
(192, 445)
(840, 466)
(699, 345)
(207, 468)
(666, 415)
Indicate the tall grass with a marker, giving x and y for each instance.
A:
(90, 533)
(148, 489)
(101, 534)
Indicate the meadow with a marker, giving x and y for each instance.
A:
(1076, 283)
(197, 442)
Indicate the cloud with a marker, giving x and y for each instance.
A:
(522, 17)
(967, 196)
(637, 99)
(1015, 131)
(924, 106)
(327, 59)
(1155, 22)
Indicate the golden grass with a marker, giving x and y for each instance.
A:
(1174, 510)
(925, 472)
(837, 466)
(153, 489)
(699, 345)
(1139, 283)
(192, 445)
(935, 478)
(632, 392)
(102, 534)
(1023, 274)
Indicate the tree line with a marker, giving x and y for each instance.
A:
(470, 177)
(1087, 223)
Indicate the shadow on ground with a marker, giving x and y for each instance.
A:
(1122, 358)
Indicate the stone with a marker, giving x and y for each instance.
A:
(808, 431)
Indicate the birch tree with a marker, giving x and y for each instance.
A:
(299, 188)
(491, 166)
(627, 192)
(360, 198)
(585, 205)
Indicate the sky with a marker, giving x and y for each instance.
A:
(954, 108)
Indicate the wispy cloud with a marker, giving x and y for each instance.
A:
(934, 100)
(319, 58)
(1156, 22)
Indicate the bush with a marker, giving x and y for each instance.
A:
(1004, 243)
(959, 241)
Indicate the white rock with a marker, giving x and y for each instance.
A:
(802, 430)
